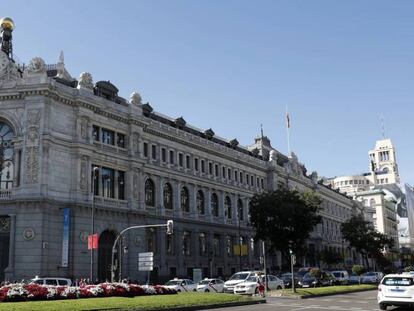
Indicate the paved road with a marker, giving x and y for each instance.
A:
(363, 301)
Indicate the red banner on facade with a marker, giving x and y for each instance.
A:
(93, 241)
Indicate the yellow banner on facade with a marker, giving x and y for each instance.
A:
(240, 250)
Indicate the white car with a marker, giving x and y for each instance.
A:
(396, 290)
(52, 281)
(371, 277)
(250, 286)
(182, 285)
(210, 285)
(238, 278)
(341, 277)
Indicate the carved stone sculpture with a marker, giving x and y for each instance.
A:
(273, 156)
(36, 65)
(85, 81)
(135, 99)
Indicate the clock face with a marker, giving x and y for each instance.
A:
(4, 62)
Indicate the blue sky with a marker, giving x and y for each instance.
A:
(232, 65)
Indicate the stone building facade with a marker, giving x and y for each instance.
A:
(72, 145)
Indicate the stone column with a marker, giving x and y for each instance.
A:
(141, 195)
(159, 201)
(221, 206)
(161, 251)
(9, 271)
(16, 167)
(207, 198)
(192, 189)
(177, 198)
(195, 254)
(178, 233)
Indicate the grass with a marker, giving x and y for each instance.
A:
(143, 303)
(329, 290)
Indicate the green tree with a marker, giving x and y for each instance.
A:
(358, 270)
(330, 257)
(285, 218)
(362, 235)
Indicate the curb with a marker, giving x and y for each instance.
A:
(297, 297)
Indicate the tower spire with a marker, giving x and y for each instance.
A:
(261, 130)
(61, 57)
(6, 29)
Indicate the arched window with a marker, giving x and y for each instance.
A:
(185, 201)
(149, 192)
(214, 205)
(227, 207)
(240, 211)
(385, 170)
(200, 202)
(168, 196)
(6, 156)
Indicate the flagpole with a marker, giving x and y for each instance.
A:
(288, 129)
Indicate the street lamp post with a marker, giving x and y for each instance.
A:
(95, 169)
(168, 225)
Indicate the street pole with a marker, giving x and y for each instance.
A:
(92, 222)
(291, 271)
(169, 226)
(264, 264)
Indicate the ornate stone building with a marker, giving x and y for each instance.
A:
(69, 145)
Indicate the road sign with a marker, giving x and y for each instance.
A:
(145, 261)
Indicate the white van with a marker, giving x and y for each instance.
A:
(238, 278)
(341, 277)
(52, 281)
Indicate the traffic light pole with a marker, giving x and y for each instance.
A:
(168, 225)
(291, 269)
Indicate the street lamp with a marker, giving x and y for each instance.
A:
(94, 170)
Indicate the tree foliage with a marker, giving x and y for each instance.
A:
(362, 235)
(285, 218)
(330, 257)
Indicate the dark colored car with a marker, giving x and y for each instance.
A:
(287, 279)
(325, 279)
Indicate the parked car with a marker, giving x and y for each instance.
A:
(238, 278)
(354, 278)
(371, 277)
(287, 279)
(326, 279)
(210, 285)
(52, 281)
(182, 285)
(341, 277)
(251, 285)
(396, 290)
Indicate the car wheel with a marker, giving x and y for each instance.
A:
(194, 290)
(279, 288)
(207, 290)
(382, 306)
(178, 290)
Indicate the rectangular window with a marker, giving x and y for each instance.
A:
(171, 157)
(210, 168)
(236, 176)
(257, 182)
(121, 185)
(108, 137)
(251, 180)
(216, 170)
(154, 152)
(203, 166)
(229, 174)
(145, 147)
(186, 243)
(196, 164)
(108, 184)
(241, 177)
(163, 155)
(262, 183)
(180, 160)
(187, 162)
(223, 172)
(120, 140)
(95, 133)
(216, 245)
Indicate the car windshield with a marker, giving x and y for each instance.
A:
(239, 276)
(173, 282)
(398, 281)
(286, 276)
(204, 282)
(252, 279)
(308, 276)
(337, 274)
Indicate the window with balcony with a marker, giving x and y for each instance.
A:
(168, 196)
(227, 207)
(149, 192)
(172, 157)
(187, 162)
(108, 184)
(186, 243)
(200, 202)
(95, 133)
(108, 136)
(153, 152)
(185, 201)
(163, 155)
(180, 160)
(240, 211)
(120, 140)
(202, 244)
(145, 150)
(214, 205)
(196, 164)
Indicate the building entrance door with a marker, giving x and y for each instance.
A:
(4, 244)
(106, 241)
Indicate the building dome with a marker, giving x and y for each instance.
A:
(7, 23)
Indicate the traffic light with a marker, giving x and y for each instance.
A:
(170, 227)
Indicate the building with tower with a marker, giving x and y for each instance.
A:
(70, 146)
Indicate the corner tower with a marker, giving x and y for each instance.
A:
(383, 163)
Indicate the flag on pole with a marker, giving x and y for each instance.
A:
(287, 120)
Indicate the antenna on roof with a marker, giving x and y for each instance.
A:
(261, 130)
(61, 57)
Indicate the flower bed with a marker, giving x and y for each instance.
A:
(24, 292)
